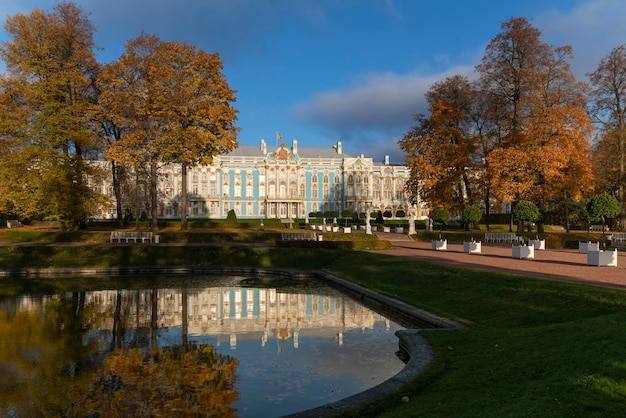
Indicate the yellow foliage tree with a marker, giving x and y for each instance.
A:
(175, 105)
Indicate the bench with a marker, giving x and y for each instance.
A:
(598, 227)
(13, 223)
(135, 236)
(617, 237)
(286, 221)
(47, 224)
(300, 236)
(502, 237)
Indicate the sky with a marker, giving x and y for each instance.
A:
(355, 71)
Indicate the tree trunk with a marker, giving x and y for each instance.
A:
(137, 202)
(620, 190)
(154, 209)
(117, 191)
(567, 225)
(487, 211)
(183, 197)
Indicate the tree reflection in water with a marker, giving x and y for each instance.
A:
(119, 353)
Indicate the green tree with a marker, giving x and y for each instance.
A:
(603, 206)
(442, 216)
(526, 211)
(471, 216)
(50, 69)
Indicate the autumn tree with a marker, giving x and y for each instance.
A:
(109, 126)
(539, 111)
(174, 104)
(605, 159)
(441, 150)
(199, 118)
(608, 108)
(50, 69)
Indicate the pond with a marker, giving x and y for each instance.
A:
(193, 346)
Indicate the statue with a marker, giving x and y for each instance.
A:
(412, 216)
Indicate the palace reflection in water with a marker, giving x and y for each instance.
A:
(204, 348)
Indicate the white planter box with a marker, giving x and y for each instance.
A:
(440, 244)
(386, 229)
(585, 247)
(335, 229)
(472, 247)
(602, 258)
(374, 228)
(523, 251)
(347, 230)
(539, 244)
(400, 230)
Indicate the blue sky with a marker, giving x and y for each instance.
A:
(355, 71)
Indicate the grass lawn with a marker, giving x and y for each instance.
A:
(533, 347)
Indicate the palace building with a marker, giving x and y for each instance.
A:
(284, 182)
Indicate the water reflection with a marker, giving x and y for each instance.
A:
(222, 347)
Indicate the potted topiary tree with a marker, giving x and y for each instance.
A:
(442, 216)
(525, 211)
(470, 217)
(588, 217)
(603, 206)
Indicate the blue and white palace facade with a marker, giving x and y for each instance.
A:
(284, 182)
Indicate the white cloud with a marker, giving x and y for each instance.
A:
(593, 28)
(375, 111)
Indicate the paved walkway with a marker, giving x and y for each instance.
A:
(565, 265)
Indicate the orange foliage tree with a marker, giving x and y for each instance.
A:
(174, 104)
(540, 110)
(442, 150)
